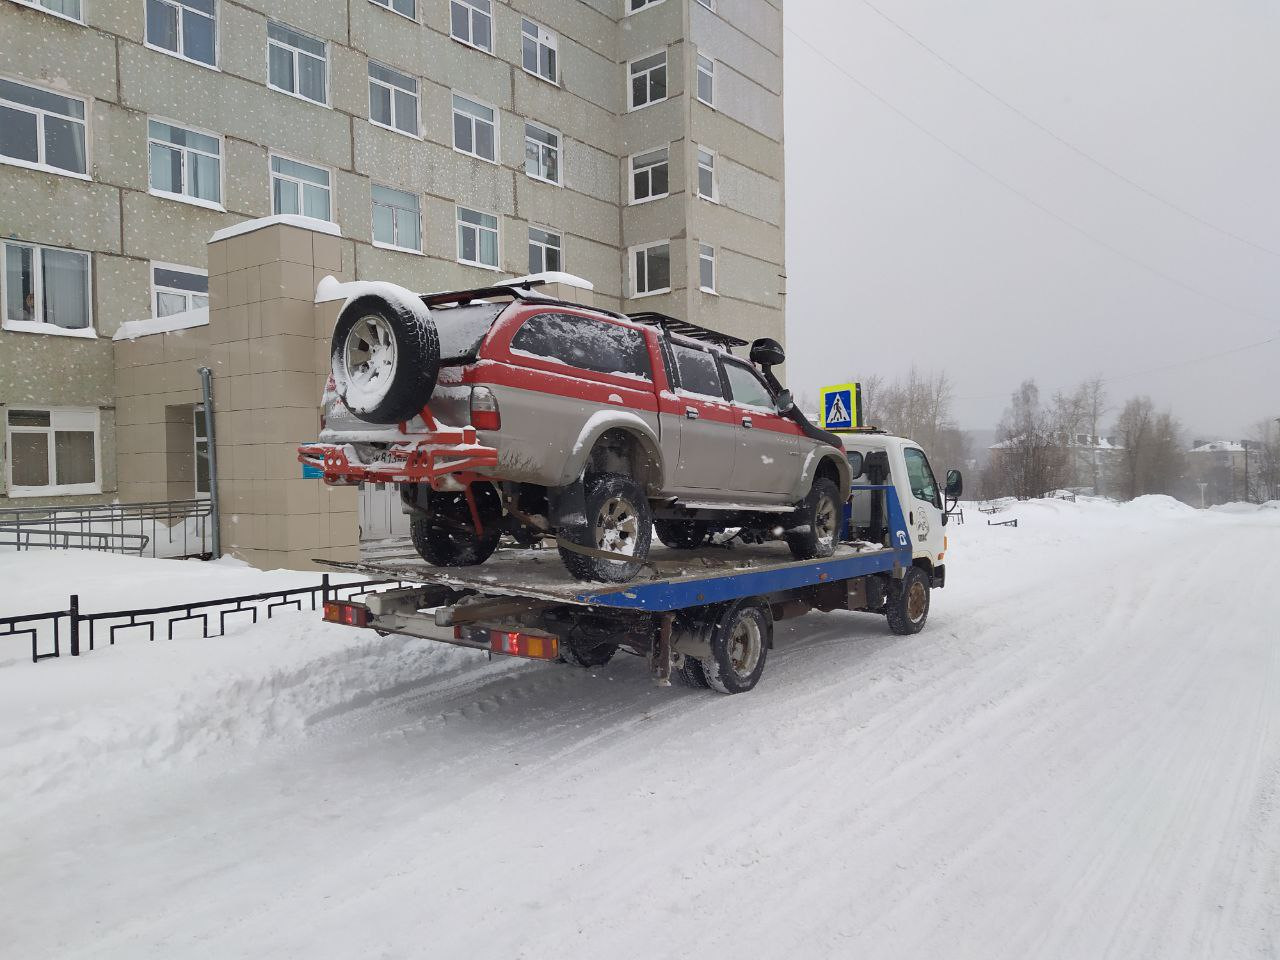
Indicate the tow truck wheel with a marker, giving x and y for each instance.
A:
(445, 536)
(683, 534)
(618, 522)
(908, 605)
(739, 644)
(596, 656)
(692, 674)
(816, 522)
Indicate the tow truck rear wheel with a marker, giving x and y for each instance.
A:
(908, 604)
(596, 656)
(739, 644)
(444, 534)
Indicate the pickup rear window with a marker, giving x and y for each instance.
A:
(585, 343)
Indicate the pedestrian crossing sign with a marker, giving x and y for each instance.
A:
(842, 407)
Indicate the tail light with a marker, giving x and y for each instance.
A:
(484, 409)
(512, 643)
(351, 614)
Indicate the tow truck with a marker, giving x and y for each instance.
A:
(705, 616)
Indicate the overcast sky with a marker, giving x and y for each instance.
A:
(899, 252)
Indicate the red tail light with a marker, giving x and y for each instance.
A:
(351, 614)
(512, 643)
(484, 409)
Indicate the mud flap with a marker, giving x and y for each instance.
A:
(567, 506)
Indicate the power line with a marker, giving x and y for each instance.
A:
(1065, 142)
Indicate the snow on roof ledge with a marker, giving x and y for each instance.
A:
(288, 219)
(133, 329)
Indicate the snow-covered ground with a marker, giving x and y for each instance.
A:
(1078, 758)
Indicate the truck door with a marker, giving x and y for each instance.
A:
(768, 455)
(706, 424)
(924, 510)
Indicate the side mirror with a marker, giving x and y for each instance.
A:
(767, 352)
(784, 401)
(856, 465)
(955, 487)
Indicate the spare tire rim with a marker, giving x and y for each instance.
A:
(915, 601)
(744, 646)
(824, 520)
(617, 527)
(368, 360)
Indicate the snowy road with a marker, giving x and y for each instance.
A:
(1078, 758)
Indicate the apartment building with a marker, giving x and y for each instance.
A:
(635, 143)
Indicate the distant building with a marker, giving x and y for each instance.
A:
(1092, 463)
(1222, 466)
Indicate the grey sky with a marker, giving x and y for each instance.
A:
(900, 252)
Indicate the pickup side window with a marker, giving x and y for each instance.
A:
(923, 486)
(747, 387)
(584, 343)
(697, 371)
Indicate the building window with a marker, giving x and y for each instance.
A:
(41, 129)
(52, 452)
(540, 51)
(651, 269)
(200, 447)
(477, 238)
(177, 289)
(45, 289)
(299, 188)
(393, 99)
(648, 80)
(545, 251)
(70, 9)
(406, 8)
(296, 63)
(185, 165)
(397, 219)
(542, 153)
(706, 268)
(707, 174)
(474, 129)
(471, 21)
(184, 28)
(636, 5)
(707, 80)
(650, 175)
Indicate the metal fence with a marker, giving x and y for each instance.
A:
(84, 631)
(160, 528)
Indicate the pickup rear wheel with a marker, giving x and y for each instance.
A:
(385, 359)
(683, 534)
(739, 644)
(445, 536)
(618, 521)
(908, 606)
(815, 525)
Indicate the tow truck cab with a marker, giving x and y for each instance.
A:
(903, 464)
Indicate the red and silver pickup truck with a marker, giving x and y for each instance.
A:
(504, 410)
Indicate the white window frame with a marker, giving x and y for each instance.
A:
(666, 68)
(40, 114)
(698, 71)
(373, 228)
(182, 197)
(628, 10)
(707, 252)
(217, 36)
(473, 11)
(272, 176)
(37, 262)
(542, 38)
(631, 176)
(454, 112)
(90, 420)
(698, 150)
(298, 53)
(457, 239)
(544, 247)
(38, 5)
(417, 100)
(636, 293)
(387, 5)
(157, 289)
(558, 148)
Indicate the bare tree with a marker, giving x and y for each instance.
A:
(1029, 459)
(1264, 448)
(1152, 460)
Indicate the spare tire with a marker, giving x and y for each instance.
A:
(385, 359)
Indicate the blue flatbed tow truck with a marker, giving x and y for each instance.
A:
(705, 616)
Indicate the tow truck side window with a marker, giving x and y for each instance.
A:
(585, 343)
(698, 371)
(923, 486)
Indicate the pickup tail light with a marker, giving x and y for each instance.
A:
(484, 409)
(512, 643)
(350, 614)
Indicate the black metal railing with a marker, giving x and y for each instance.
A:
(84, 631)
(158, 528)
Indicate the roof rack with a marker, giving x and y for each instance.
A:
(686, 329)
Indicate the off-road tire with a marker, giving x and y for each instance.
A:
(908, 603)
(740, 642)
(691, 674)
(683, 534)
(447, 546)
(602, 490)
(596, 656)
(413, 372)
(820, 509)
